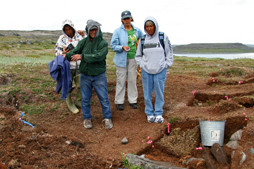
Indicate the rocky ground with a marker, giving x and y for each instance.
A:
(59, 140)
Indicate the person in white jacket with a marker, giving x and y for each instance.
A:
(154, 58)
(68, 40)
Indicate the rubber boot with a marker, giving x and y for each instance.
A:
(78, 94)
(71, 106)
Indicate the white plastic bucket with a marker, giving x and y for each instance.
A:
(212, 132)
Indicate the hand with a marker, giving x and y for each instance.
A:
(82, 33)
(126, 48)
(138, 72)
(76, 57)
(65, 51)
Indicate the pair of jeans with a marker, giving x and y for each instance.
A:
(99, 83)
(154, 82)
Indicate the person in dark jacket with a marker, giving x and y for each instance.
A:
(92, 52)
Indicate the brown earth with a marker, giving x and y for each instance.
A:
(59, 139)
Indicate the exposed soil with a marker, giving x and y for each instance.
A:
(59, 139)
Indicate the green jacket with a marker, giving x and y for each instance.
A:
(93, 55)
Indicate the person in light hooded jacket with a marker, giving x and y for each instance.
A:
(70, 37)
(123, 43)
(154, 60)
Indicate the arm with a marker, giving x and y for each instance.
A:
(169, 52)
(59, 46)
(115, 43)
(99, 55)
(138, 56)
(76, 50)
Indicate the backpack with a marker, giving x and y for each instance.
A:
(161, 38)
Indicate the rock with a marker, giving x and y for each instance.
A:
(244, 157)
(236, 136)
(232, 144)
(210, 162)
(251, 151)
(148, 164)
(22, 146)
(232, 154)
(2, 117)
(219, 153)
(193, 159)
(16, 34)
(13, 164)
(124, 140)
(77, 144)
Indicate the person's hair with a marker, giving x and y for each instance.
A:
(149, 22)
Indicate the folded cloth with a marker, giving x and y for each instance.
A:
(59, 70)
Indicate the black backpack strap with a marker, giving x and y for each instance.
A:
(161, 38)
(142, 43)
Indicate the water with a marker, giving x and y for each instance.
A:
(224, 56)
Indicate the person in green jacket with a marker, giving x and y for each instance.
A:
(92, 52)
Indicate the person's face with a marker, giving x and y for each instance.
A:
(92, 33)
(150, 28)
(127, 21)
(69, 31)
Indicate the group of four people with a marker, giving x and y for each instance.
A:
(150, 52)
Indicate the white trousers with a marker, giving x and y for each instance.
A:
(130, 71)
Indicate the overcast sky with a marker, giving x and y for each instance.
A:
(184, 21)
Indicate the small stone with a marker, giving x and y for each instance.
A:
(193, 159)
(251, 151)
(68, 142)
(219, 154)
(2, 117)
(124, 140)
(232, 144)
(236, 136)
(244, 157)
(232, 154)
(22, 146)
(13, 164)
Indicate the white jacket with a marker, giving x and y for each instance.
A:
(64, 40)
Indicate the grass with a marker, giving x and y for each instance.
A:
(24, 72)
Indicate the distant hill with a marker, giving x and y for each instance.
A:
(213, 48)
(51, 35)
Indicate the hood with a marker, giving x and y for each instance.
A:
(68, 22)
(155, 23)
(91, 24)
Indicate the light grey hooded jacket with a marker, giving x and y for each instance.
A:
(153, 59)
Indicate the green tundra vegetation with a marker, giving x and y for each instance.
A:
(24, 71)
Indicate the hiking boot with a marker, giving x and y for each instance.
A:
(119, 106)
(108, 124)
(134, 105)
(150, 119)
(88, 123)
(159, 119)
(71, 106)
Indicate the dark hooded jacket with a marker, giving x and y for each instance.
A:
(93, 53)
